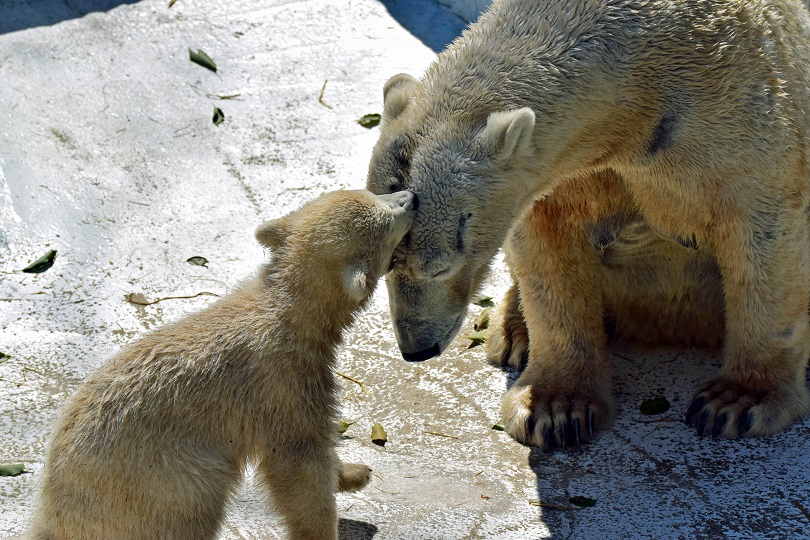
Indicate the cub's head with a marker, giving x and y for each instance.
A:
(467, 165)
(342, 240)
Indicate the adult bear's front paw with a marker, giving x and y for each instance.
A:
(726, 409)
(534, 414)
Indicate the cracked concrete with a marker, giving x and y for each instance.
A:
(108, 154)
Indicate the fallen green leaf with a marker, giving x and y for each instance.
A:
(13, 469)
(655, 406)
(171, 2)
(369, 121)
(343, 426)
(198, 261)
(202, 59)
(482, 321)
(478, 338)
(378, 435)
(484, 301)
(41, 264)
(4, 355)
(219, 116)
(499, 427)
(584, 502)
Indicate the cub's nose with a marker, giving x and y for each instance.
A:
(401, 199)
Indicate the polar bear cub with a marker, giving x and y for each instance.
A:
(154, 443)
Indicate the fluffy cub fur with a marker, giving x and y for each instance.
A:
(154, 443)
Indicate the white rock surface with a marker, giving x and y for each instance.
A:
(108, 154)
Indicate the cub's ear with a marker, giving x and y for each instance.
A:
(507, 133)
(272, 233)
(396, 94)
(355, 279)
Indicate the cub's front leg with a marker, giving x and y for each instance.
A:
(564, 393)
(764, 257)
(302, 478)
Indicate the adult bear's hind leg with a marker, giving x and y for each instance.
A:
(764, 257)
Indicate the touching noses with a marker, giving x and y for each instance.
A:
(401, 199)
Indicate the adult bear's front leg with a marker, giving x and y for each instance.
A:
(564, 392)
(764, 257)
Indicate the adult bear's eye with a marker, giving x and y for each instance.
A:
(462, 226)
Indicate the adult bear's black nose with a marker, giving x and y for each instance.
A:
(422, 355)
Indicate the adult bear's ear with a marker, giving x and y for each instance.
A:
(396, 94)
(355, 279)
(507, 133)
(272, 233)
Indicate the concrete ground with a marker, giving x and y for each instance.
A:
(108, 154)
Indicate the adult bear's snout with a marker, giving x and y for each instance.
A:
(422, 355)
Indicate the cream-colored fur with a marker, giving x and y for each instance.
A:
(645, 164)
(155, 441)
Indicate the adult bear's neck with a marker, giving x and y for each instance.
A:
(567, 61)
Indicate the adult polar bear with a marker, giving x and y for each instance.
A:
(645, 163)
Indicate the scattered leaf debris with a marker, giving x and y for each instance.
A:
(198, 261)
(343, 426)
(657, 405)
(482, 321)
(12, 469)
(802, 509)
(361, 384)
(378, 435)
(552, 506)
(219, 116)
(369, 121)
(499, 427)
(441, 434)
(484, 301)
(657, 420)
(223, 97)
(320, 96)
(477, 338)
(583, 502)
(140, 300)
(41, 264)
(202, 59)
(137, 298)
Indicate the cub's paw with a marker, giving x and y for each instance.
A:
(535, 415)
(353, 476)
(726, 409)
(507, 337)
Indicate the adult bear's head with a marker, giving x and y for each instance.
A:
(466, 158)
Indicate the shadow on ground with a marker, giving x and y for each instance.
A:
(350, 529)
(689, 486)
(21, 14)
(432, 24)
